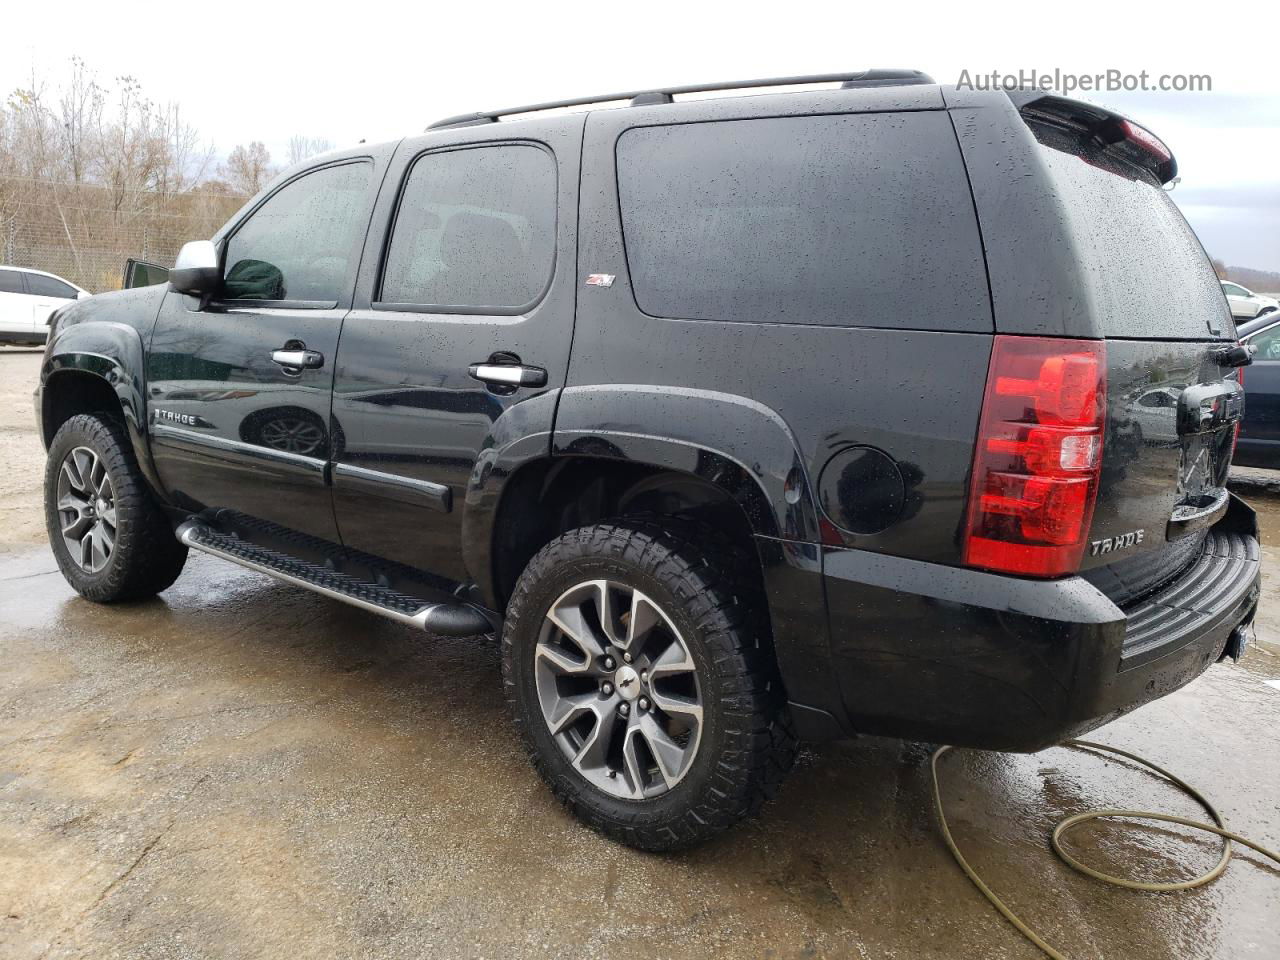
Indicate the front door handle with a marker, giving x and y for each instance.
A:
(508, 374)
(298, 359)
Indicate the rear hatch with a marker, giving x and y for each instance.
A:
(1173, 401)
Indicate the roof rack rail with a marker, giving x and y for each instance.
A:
(640, 98)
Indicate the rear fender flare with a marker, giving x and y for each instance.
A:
(733, 442)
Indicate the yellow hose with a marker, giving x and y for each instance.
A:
(1217, 828)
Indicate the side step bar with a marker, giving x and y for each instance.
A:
(443, 616)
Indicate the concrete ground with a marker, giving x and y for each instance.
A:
(243, 769)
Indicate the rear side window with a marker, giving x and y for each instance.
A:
(42, 286)
(845, 220)
(302, 242)
(11, 282)
(476, 229)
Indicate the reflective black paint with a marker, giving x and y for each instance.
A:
(847, 447)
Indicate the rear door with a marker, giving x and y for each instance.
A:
(47, 294)
(239, 387)
(467, 283)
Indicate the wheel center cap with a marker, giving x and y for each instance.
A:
(101, 506)
(627, 682)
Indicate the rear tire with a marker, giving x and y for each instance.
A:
(694, 638)
(110, 537)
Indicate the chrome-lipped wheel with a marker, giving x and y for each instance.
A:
(618, 689)
(86, 509)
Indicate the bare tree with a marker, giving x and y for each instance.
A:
(300, 147)
(94, 171)
(185, 163)
(248, 168)
(80, 113)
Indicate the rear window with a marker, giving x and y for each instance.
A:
(1149, 275)
(844, 220)
(11, 282)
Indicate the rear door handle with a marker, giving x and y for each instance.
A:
(508, 374)
(298, 359)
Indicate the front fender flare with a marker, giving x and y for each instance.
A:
(114, 353)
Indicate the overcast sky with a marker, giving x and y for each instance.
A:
(375, 70)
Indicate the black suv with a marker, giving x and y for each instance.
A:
(884, 408)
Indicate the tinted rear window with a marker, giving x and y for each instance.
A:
(11, 282)
(1149, 275)
(847, 220)
(476, 229)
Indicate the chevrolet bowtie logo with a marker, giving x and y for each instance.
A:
(627, 682)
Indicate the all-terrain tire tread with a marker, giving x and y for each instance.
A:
(147, 557)
(759, 746)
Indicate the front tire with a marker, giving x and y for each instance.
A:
(643, 690)
(110, 537)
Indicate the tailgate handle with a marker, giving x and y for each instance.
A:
(1206, 407)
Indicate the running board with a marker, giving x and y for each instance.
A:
(445, 616)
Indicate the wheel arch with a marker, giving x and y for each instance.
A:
(97, 367)
(547, 497)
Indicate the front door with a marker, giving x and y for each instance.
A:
(239, 388)
(469, 264)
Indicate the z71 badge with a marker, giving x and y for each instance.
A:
(1112, 544)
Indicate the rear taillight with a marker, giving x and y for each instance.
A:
(1038, 456)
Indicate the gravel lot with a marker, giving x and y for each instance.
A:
(242, 769)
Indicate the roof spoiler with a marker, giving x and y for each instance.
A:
(1099, 128)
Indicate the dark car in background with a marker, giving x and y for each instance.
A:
(889, 408)
(1259, 443)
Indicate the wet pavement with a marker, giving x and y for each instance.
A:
(243, 769)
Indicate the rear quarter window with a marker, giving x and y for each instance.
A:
(842, 220)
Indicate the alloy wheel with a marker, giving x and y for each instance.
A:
(86, 509)
(618, 689)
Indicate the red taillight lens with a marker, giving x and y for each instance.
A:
(1039, 453)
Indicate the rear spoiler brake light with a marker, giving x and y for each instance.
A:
(1098, 130)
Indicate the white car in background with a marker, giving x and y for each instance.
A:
(1245, 304)
(27, 297)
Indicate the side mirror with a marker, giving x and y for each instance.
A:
(196, 271)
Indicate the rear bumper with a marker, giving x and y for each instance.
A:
(959, 656)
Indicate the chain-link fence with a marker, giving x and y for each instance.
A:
(85, 232)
